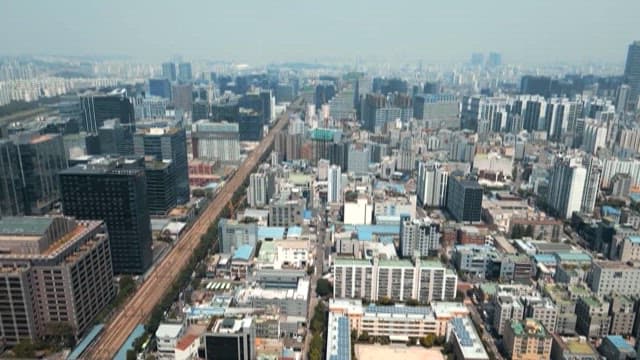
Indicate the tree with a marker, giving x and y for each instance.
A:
(198, 193)
(428, 341)
(131, 355)
(364, 336)
(412, 302)
(385, 301)
(516, 231)
(25, 349)
(60, 334)
(323, 287)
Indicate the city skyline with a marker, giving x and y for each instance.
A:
(246, 31)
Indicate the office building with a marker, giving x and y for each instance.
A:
(286, 210)
(467, 345)
(399, 280)
(421, 236)
(612, 277)
(615, 347)
(218, 141)
(184, 72)
(338, 338)
(11, 184)
(250, 124)
(231, 339)
(167, 144)
(632, 74)
(543, 310)
(527, 340)
(169, 71)
(160, 88)
(161, 186)
(535, 85)
(623, 314)
(98, 107)
(334, 184)
(494, 59)
(432, 184)
(40, 158)
(106, 189)
(572, 348)
(54, 270)
(358, 158)
(289, 301)
(182, 96)
(464, 199)
(201, 110)
(565, 302)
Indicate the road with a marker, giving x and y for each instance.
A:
(137, 309)
(486, 336)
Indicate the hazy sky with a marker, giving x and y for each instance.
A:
(533, 31)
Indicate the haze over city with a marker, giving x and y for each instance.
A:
(258, 32)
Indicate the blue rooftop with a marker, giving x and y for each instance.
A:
(392, 309)
(270, 232)
(366, 232)
(634, 239)
(635, 197)
(547, 259)
(86, 341)
(307, 214)
(294, 231)
(243, 252)
(610, 210)
(128, 344)
(620, 343)
(574, 256)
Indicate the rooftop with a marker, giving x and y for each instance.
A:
(528, 327)
(244, 252)
(24, 225)
(620, 343)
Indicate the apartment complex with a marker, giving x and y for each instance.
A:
(399, 280)
(54, 270)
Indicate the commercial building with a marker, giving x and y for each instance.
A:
(98, 107)
(106, 189)
(632, 74)
(359, 158)
(623, 314)
(467, 345)
(169, 71)
(419, 235)
(611, 277)
(231, 339)
(577, 348)
(184, 72)
(565, 303)
(286, 210)
(161, 186)
(233, 234)
(358, 210)
(464, 199)
(474, 260)
(55, 270)
(615, 347)
(527, 340)
(506, 307)
(438, 110)
(167, 337)
(167, 144)
(400, 280)
(160, 88)
(289, 302)
(218, 141)
(629, 249)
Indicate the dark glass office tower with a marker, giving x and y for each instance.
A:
(167, 144)
(169, 71)
(161, 186)
(632, 74)
(11, 190)
(464, 199)
(105, 189)
(160, 87)
(98, 107)
(184, 72)
(41, 158)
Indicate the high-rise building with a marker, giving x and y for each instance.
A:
(41, 158)
(370, 106)
(55, 270)
(218, 141)
(359, 158)
(594, 137)
(261, 187)
(421, 236)
(98, 107)
(494, 60)
(334, 184)
(160, 87)
(113, 138)
(535, 85)
(161, 186)
(169, 71)
(439, 110)
(632, 74)
(11, 185)
(106, 189)
(167, 144)
(184, 72)
(250, 124)
(432, 184)
(527, 340)
(566, 186)
(464, 199)
(182, 96)
(201, 110)
(231, 339)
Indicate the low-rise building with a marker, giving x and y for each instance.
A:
(566, 306)
(623, 314)
(235, 338)
(593, 316)
(572, 348)
(527, 340)
(167, 336)
(615, 347)
(612, 277)
(292, 302)
(467, 345)
(338, 338)
(506, 307)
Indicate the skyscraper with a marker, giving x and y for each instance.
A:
(105, 189)
(184, 72)
(182, 97)
(218, 141)
(632, 74)
(11, 188)
(160, 87)
(464, 199)
(334, 188)
(432, 184)
(98, 107)
(169, 71)
(167, 144)
(261, 187)
(161, 186)
(41, 157)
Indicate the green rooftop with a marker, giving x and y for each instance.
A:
(351, 262)
(24, 225)
(592, 301)
(396, 263)
(580, 347)
(322, 134)
(528, 327)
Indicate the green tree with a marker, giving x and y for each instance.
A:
(131, 355)
(516, 231)
(385, 301)
(412, 302)
(428, 341)
(323, 287)
(529, 231)
(364, 336)
(25, 349)
(198, 193)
